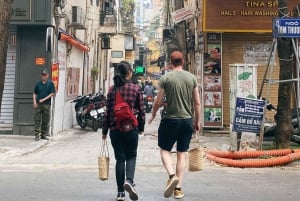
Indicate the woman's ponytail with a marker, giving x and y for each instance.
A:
(122, 70)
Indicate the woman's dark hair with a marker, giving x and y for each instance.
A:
(122, 70)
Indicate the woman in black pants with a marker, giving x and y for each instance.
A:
(124, 144)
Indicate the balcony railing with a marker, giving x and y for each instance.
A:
(108, 19)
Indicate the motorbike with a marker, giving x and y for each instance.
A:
(100, 107)
(148, 102)
(270, 129)
(89, 110)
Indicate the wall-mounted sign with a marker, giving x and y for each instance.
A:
(21, 10)
(243, 15)
(258, 53)
(286, 27)
(40, 61)
(116, 54)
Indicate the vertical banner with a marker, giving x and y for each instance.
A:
(212, 82)
(55, 75)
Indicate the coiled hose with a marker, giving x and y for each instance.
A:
(282, 157)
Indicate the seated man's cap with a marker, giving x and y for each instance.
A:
(45, 71)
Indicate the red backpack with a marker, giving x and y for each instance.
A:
(124, 116)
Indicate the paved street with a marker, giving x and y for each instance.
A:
(65, 169)
(79, 183)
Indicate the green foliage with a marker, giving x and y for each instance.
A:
(153, 27)
(94, 71)
(127, 8)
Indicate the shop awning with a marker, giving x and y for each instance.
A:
(73, 41)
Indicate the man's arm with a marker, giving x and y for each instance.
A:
(34, 100)
(52, 93)
(197, 107)
(157, 103)
(46, 98)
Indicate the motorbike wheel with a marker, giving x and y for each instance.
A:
(80, 122)
(94, 125)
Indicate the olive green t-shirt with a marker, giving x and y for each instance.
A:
(178, 86)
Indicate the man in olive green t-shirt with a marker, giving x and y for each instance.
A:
(182, 106)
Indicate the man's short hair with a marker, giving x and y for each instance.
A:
(176, 58)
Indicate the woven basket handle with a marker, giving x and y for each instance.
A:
(195, 142)
(104, 148)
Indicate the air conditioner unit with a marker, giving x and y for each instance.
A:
(77, 15)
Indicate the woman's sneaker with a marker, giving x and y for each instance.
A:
(129, 187)
(120, 196)
(178, 194)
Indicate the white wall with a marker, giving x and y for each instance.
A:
(117, 44)
(71, 56)
(63, 111)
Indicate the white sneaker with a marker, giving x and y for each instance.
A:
(129, 187)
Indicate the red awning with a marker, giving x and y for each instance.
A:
(73, 41)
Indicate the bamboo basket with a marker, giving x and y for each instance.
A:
(195, 155)
(195, 159)
(103, 162)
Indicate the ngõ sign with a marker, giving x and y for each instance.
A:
(241, 15)
(286, 27)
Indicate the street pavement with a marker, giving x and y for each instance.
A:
(67, 164)
(14, 146)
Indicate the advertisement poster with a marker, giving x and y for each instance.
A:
(243, 83)
(212, 82)
(72, 89)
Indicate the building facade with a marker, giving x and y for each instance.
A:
(246, 41)
(65, 37)
(228, 47)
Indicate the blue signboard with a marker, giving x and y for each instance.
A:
(286, 27)
(249, 114)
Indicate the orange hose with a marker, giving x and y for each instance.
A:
(254, 163)
(251, 154)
